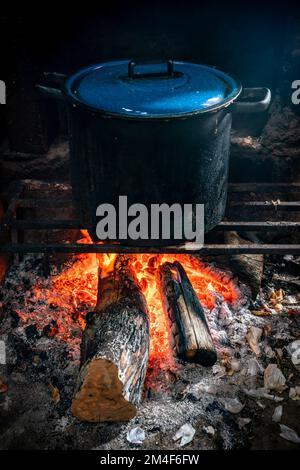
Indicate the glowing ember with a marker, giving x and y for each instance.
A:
(80, 281)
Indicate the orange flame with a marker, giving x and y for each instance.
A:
(81, 280)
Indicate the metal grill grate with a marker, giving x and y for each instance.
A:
(243, 199)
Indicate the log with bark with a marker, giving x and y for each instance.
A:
(249, 268)
(114, 350)
(190, 336)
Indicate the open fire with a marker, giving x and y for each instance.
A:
(75, 288)
(45, 319)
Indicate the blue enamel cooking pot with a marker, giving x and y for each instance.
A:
(157, 132)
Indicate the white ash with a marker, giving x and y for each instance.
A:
(274, 378)
(165, 417)
(289, 434)
(277, 415)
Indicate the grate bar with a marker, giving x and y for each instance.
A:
(264, 187)
(190, 248)
(58, 224)
(255, 226)
(286, 205)
(67, 224)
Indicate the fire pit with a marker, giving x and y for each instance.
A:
(136, 300)
(44, 319)
(154, 285)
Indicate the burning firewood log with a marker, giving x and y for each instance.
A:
(114, 350)
(190, 336)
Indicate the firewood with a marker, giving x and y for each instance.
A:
(249, 268)
(114, 350)
(190, 336)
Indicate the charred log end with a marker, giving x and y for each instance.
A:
(100, 397)
(204, 357)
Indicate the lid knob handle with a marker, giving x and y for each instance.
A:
(169, 72)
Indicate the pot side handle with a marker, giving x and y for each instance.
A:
(57, 81)
(252, 100)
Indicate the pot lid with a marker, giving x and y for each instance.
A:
(152, 90)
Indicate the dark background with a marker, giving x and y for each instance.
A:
(244, 38)
(250, 40)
